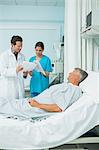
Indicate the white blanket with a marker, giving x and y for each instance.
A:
(56, 130)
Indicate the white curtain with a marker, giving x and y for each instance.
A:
(72, 54)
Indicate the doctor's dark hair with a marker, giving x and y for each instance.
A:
(16, 38)
(39, 44)
(83, 74)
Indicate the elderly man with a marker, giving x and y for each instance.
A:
(55, 99)
(58, 97)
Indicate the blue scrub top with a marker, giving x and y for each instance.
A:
(39, 82)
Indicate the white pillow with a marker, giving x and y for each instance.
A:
(91, 84)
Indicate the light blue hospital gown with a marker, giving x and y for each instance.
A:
(39, 82)
(63, 95)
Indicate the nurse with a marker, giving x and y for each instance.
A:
(11, 76)
(39, 81)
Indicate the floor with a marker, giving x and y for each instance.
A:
(78, 147)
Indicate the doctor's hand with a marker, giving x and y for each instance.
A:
(19, 68)
(25, 74)
(30, 73)
(33, 103)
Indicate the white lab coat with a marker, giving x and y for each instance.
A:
(11, 83)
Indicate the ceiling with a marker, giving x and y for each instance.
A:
(57, 3)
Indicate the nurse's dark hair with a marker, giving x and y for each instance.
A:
(39, 44)
(83, 74)
(16, 38)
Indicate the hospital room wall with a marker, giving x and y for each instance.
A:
(79, 52)
(90, 46)
(33, 23)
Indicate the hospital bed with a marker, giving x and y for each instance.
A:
(57, 129)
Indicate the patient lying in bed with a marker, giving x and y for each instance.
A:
(55, 99)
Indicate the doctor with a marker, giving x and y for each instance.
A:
(11, 76)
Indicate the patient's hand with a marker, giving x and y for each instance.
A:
(33, 103)
(46, 107)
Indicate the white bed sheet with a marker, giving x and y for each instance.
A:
(56, 130)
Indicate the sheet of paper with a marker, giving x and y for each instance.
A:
(39, 67)
(28, 66)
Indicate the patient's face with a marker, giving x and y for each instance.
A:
(74, 76)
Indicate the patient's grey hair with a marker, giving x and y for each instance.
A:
(83, 73)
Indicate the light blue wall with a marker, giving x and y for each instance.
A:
(33, 24)
(34, 13)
